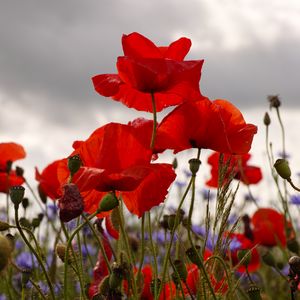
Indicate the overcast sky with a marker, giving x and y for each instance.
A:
(51, 49)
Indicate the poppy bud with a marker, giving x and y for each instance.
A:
(103, 287)
(35, 222)
(116, 277)
(115, 219)
(4, 226)
(282, 167)
(71, 203)
(42, 195)
(5, 251)
(181, 269)
(152, 286)
(17, 194)
(61, 252)
(171, 222)
(8, 166)
(164, 222)
(19, 171)
(175, 279)
(293, 245)
(294, 263)
(41, 216)
(269, 259)
(25, 223)
(175, 163)
(267, 120)
(274, 101)
(74, 164)
(194, 255)
(25, 203)
(244, 255)
(254, 293)
(108, 202)
(194, 165)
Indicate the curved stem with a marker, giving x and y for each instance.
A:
(34, 252)
(292, 185)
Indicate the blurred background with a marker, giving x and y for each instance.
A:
(51, 49)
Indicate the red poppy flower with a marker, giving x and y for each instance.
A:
(237, 168)
(268, 227)
(115, 158)
(10, 152)
(147, 69)
(216, 125)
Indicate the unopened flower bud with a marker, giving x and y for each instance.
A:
(274, 101)
(17, 194)
(25, 203)
(194, 165)
(103, 287)
(194, 255)
(244, 256)
(74, 164)
(4, 226)
(71, 203)
(269, 259)
(5, 251)
(61, 252)
(35, 222)
(152, 286)
(25, 223)
(175, 163)
(164, 222)
(108, 202)
(267, 119)
(176, 279)
(42, 195)
(294, 263)
(293, 245)
(171, 222)
(19, 171)
(282, 167)
(254, 293)
(116, 277)
(181, 269)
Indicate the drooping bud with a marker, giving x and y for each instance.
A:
(5, 252)
(282, 167)
(4, 226)
(61, 252)
(35, 222)
(294, 263)
(267, 119)
(74, 164)
(194, 165)
(19, 171)
(71, 203)
(108, 202)
(274, 101)
(254, 293)
(244, 256)
(269, 259)
(194, 255)
(164, 222)
(42, 195)
(17, 194)
(181, 269)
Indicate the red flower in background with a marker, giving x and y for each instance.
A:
(268, 227)
(237, 168)
(10, 152)
(216, 125)
(147, 69)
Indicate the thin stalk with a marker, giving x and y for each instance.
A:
(34, 252)
(142, 247)
(154, 121)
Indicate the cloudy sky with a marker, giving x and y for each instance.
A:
(51, 49)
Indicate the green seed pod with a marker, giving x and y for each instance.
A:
(5, 252)
(282, 168)
(74, 164)
(17, 194)
(267, 119)
(181, 269)
(194, 255)
(194, 165)
(244, 255)
(108, 202)
(269, 259)
(254, 293)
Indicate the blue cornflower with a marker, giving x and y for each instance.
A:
(235, 244)
(26, 260)
(295, 199)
